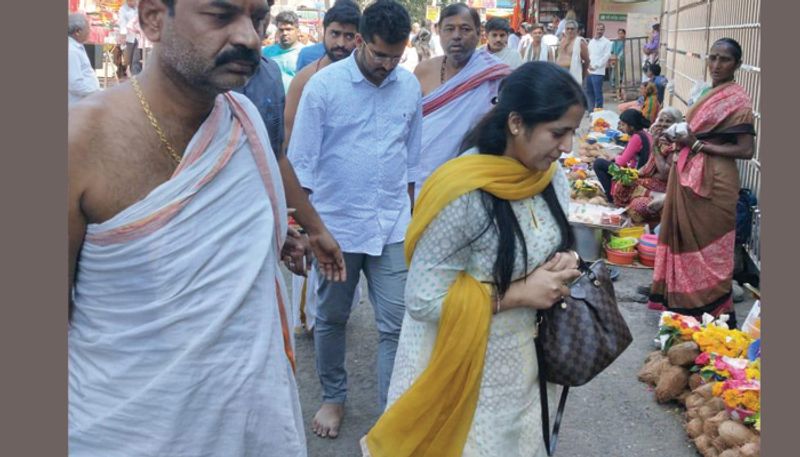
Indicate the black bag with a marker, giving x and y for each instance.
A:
(744, 215)
(578, 339)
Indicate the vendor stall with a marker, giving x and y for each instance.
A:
(601, 229)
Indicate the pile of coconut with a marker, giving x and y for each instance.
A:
(708, 424)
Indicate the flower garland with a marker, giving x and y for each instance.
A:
(722, 341)
(676, 328)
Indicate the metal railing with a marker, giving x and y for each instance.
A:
(688, 29)
(633, 63)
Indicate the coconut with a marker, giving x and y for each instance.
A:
(694, 401)
(652, 371)
(705, 390)
(694, 427)
(711, 425)
(732, 452)
(750, 450)
(671, 384)
(734, 434)
(683, 354)
(705, 447)
(695, 381)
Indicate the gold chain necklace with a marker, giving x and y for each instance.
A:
(146, 107)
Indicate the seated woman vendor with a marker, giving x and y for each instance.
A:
(645, 197)
(636, 153)
(647, 102)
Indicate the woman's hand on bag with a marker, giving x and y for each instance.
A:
(561, 261)
(543, 288)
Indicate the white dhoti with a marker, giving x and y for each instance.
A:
(179, 342)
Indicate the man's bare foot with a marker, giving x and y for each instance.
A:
(327, 420)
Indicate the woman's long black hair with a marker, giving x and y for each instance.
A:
(539, 92)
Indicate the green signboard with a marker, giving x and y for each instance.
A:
(614, 17)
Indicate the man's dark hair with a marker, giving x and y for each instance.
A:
(387, 19)
(622, 30)
(344, 12)
(454, 9)
(537, 27)
(287, 17)
(497, 23)
(657, 27)
(656, 69)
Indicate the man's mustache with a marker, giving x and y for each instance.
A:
(339, 49)
(238, 54)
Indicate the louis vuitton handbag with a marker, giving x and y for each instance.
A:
(578, 339)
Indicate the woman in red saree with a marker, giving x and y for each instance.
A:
(694, 260)
(645, 198)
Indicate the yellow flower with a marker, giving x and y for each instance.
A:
(753, 373)
(749, 399)
(718, 340)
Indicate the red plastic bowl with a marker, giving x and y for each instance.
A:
(619, 257)
(646, 250)
(647, 260)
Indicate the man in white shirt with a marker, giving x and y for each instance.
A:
(525, 41)
(599, 53)
(355, 147)
(132, 55)
(436, 42)
(498, 44)
(537, 50)
(513, 39)
(82, 79)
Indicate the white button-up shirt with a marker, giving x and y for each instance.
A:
(125, 15)
(599, 53)
(356, 147)
(81, 78)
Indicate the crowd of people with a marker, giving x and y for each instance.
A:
(183, 180)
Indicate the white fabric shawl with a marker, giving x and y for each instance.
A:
(178, 344)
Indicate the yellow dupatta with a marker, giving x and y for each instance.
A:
(433, 417)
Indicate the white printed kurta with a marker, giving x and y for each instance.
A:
(507, 420)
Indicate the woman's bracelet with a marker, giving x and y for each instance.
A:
(697, 146)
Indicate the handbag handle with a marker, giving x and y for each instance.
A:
(551, 439)
(549, 445)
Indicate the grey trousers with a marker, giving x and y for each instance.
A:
(386, 281)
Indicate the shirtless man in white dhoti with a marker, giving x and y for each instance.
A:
(178, 340)
(573, 52)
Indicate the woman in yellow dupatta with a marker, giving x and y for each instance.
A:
(485, 247)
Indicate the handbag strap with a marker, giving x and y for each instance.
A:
(549, 445)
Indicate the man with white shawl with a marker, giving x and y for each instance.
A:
(458, 88)
(499, 45)
(573, 52)
(537, 50)
(179, 339)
